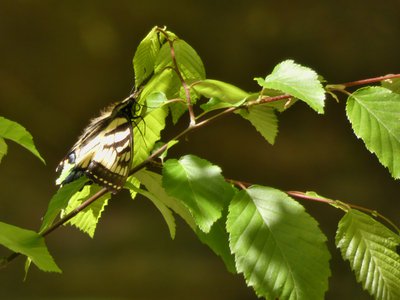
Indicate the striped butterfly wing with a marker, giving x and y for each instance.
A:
(109, 165)
(103, 153)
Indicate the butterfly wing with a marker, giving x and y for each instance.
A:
(109, 165)
(103, 152)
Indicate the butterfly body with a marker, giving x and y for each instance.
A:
(104, 151)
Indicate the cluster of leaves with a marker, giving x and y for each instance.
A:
(258, 231)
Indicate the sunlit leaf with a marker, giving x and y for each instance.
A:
(153, 183)
(166, 82)
(298, 81)
(374, 113)
(159, 204)
(3, 148)
(263, 118)
(215, 103)
(145, 56)
(15, 132)
(218, 240)
(177, 110)
(392, 84)
(188, 61)
(87, 219)
(277, 245)
(200, 186)
(60, 200)
(147, 132)
(132, 180)
(155, 100)
(225, 92)
(28, 243)
(370, 248)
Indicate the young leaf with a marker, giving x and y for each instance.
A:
(177, 110)
(392, 84)
(188, 61)
(145, 56)
(163, 209)
(215, 103)
(155, 100)
(371, 249)
(60, 200)
(132, 180)
(147, 132)
(277, 245)
(263, 118)
(28, 243)
(374, 113)
(87, 219)
(3, 148)
(166, 82)
(299, 81)
(200, 186)
(218, 240)
(160, 144)
(13, 131)
(223, 91)
(153, 183)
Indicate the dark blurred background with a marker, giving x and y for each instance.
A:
(62, 61)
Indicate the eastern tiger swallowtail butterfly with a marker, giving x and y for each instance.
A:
(104, 151)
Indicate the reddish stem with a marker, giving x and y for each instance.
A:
(370, 80)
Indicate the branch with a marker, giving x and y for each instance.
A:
(344, 206)
(370, 80)
(194, 126)
(342, 86)
(62, 221)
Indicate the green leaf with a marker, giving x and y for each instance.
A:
(218, 240)
(87, 219)
(200, 186)
(177, 110)
(223, 91)
(296, 80)
(374, 113)
(13, 131)
(145, 56)
(214, 104)
(60, 200)
(146, 133)
(132, 180)
(160, 144)
(189, 62)
(277, 245)
(153, 183)
(28, 243)
(263, 118)
(371, 249)
(392, 84)
(155, 100)
(166, 82)
(3, 148)
(163, 209)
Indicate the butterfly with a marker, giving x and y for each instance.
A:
(104, 151)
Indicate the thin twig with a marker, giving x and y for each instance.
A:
(370, 80)
(180, 76)
(62, 221)
(341, 204)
